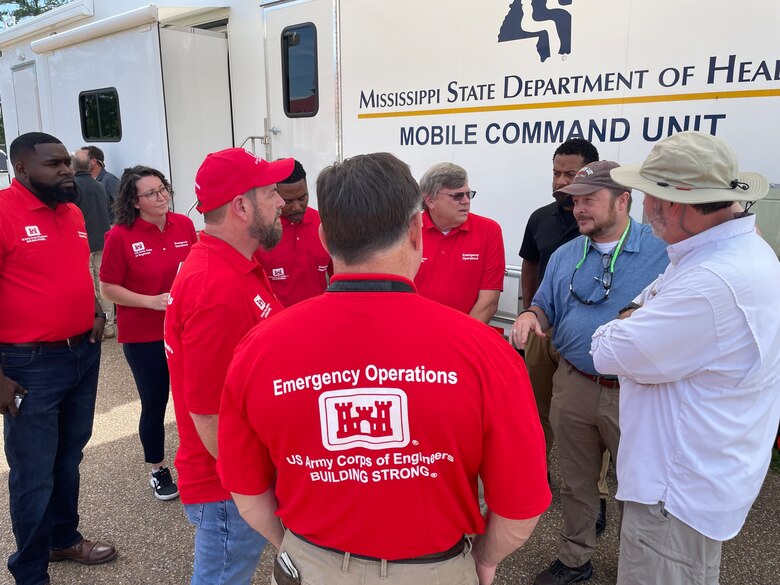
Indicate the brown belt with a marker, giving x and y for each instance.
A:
(600, 380)
(69, 342)
(439, 557)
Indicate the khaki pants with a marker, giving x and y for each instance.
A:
(658, 549)
(95, 260)
(317, 566)
(541, 360)
(584, 417)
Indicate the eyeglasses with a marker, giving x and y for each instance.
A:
(461, 194)
(606, 280)
(608, 269)
(155, 194)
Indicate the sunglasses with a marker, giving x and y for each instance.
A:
(461, 194)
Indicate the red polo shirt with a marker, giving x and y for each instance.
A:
(374, 441)
(298, 265)
(216, 298)
(46, 291)
(144, 260)
(456, 266)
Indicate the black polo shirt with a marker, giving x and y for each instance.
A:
(548, 228)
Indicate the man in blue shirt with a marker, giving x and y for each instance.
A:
(587, 282)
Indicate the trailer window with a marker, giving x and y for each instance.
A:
(100, 120)
(299, 70)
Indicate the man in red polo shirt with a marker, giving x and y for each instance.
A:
(219, 294)
(370, 448)
(299, 266)
(463, 261)
(50, 331)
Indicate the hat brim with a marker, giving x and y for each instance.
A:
(631, 176)
(277, 171)
(578, 189)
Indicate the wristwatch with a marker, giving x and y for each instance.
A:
(100, 315)
(629, 307)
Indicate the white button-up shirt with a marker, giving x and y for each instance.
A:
(699, 368)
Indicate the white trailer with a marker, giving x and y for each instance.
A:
(494, 86)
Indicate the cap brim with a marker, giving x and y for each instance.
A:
(277, 171)
(578, 189)
(630, 176)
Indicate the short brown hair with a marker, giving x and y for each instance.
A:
(365, 204)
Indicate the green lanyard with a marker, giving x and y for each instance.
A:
(615, 252)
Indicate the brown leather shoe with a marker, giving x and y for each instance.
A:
(86, 552)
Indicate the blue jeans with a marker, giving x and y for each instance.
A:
(44, 447)
(227, 549)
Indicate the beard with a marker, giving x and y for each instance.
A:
(58, 192)
(601, 228)
(268, 234)
(656, 220)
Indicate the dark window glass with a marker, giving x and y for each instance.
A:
(299, 70)
(100, 120)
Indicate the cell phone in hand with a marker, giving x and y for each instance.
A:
(18, 400)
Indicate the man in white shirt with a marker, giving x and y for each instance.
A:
(698, 356)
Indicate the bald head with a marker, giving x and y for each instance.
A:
(80, 161)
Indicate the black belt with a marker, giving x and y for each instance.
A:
(439, 557)
(607, 382)
(69, 342)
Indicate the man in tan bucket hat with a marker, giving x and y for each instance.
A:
(698, 357)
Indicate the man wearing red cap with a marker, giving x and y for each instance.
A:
(219, 294)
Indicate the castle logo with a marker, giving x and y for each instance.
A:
(532, 19)
(374, 418)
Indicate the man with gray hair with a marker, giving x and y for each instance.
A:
(698, 356)
(97, 168)
(463, 260)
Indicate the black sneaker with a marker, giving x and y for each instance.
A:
(560, 574)
(601, 521)
(162, 484)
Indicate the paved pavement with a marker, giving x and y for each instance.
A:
(155, 539)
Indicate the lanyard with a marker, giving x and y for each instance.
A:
(615, 252)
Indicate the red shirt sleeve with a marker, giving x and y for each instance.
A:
(495, 263)
(114, 267)
(514, 466)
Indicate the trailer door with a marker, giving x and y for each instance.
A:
(28, 106)
(301, 69)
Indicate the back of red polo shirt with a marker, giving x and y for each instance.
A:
(46, 291)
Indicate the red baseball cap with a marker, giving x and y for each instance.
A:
(229, 173)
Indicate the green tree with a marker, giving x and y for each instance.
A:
(33, 7)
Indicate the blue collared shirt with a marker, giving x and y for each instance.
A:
(642, 258)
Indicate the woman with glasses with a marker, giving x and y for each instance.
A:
(141, 256)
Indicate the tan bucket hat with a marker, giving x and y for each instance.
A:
(692, 167)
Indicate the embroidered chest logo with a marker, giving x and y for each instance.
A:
(82, 234)
(374, 418)
(322, 268)
(182, 244)
(470, 257)
(139, 249)
(33, 234)
(265, 308)
(278, 274)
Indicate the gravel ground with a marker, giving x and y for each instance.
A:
(156, 541)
